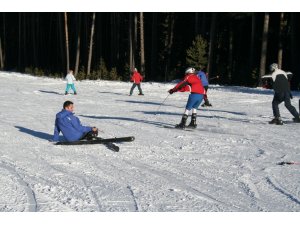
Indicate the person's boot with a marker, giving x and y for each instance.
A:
(277, 121)
(296, 119)
(193, 121)
(141, 94)
(75, 93)
(66, 93)
(183, 122)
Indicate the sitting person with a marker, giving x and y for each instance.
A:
(70, 125)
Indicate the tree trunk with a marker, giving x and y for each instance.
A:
(230, 53)
(154, 46)
(20, 41)
(280, 45)
(131, 55)
(135, 35)
(1, 56)
(171, 23)
(264, 46)
(3, 41)
(78, 45)
(142, 44)
(251, 54)
(91, 45)
(294, 49)
(211, 43)
(67, 42)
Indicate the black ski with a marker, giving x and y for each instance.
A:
(97, 141)
(110, 145)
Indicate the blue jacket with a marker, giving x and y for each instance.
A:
(203, 78)
(69, 125)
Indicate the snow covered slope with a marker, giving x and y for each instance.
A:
(228, 164)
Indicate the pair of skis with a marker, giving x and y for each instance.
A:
(108, 142)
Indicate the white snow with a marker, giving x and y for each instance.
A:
(229, 163)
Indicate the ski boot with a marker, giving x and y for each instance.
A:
(66, 93)
(182, 123)
(75, 93)
(141, 94)
(277, 121)
(296, 119)
(193, 121)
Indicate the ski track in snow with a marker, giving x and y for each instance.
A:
(229, 163)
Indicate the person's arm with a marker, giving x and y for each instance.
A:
(73, 78)
(179, 86)
(56, 132)
(77, 125)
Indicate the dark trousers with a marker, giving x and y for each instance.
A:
(279, 97)
(205, 96)
(87, 136)
(133, 87)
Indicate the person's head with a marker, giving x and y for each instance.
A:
(190, 70)
(135, 70)
(69, 106)
(71, 71)
(273, 66)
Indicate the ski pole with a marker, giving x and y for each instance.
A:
(216, 77)
(161, 104)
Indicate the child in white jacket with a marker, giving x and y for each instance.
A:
(70, 82)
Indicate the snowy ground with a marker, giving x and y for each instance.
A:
(228, 164)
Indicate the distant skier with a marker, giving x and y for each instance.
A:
(70, 82)
(281, 93)
(192, 83)
(136, 78)
(70, 125)
(204, 80)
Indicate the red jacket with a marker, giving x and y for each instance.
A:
(193, 81)
(136, 78)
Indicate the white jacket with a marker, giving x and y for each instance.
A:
(70, 78)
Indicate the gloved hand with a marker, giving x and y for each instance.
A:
(171, 91)
(95, 131)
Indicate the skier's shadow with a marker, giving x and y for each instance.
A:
(34, 133)
(50, 92)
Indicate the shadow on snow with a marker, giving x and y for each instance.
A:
(34, 133)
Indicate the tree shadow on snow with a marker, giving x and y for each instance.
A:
(157, 123)
(225, 111)
(107, 92)
(140, 102)
(34, 133)
(199, 115)
(50, 92)
(246, 90)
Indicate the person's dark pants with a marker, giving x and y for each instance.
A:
(133, 87)
(88, 136)
(205, 95)
(279, 97)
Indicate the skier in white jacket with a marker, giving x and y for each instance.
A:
(70, 82)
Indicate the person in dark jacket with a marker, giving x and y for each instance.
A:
(281, 93)
(203, 77)
(193, 84)
(70, 125)
(136, 78)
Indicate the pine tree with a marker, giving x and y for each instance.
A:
(196, 54)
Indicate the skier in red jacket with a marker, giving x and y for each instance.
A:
(136, 78)
(192, 83)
